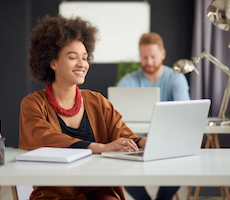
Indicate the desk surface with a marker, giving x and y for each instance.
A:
(144, 127)
(210, 168)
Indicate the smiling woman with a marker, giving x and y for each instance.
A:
(64, 116)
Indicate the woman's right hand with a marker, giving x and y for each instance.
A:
(120, 144)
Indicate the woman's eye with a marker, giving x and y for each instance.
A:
(71, 58)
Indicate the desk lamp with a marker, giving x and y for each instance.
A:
(219, 14)
(186, 66)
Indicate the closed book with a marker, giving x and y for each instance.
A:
(51, 154)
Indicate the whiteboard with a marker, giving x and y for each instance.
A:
(120, 26)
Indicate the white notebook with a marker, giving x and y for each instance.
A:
(51, 154)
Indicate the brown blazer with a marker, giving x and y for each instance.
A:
(39, 127)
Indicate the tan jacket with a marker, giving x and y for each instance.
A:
(39, 127)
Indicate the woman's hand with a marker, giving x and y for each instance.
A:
(120, 144)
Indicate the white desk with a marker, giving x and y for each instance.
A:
(210, 168)
(144, 127)
(212, 140)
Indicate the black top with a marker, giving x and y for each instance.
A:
(84, 132)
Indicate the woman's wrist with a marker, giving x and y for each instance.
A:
(141, 143)
(97, 147)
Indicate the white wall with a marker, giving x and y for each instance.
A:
(120, 26)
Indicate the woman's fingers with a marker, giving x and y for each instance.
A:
(126, 149)
(129, 143)
(121, 144)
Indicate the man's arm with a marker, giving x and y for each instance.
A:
(124, 82)
(180, 88)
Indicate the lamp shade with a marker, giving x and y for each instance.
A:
(219, 14)
(184, 66)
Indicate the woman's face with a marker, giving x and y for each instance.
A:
(71, 66)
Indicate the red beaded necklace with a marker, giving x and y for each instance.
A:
(57, 108)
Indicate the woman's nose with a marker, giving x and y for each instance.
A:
(80, 63)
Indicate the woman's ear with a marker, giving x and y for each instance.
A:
(53, 64)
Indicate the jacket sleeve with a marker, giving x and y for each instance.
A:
(38, 127)
(116, 128)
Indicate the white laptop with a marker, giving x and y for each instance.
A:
(134, 104)
(176, 130)
(52, 154)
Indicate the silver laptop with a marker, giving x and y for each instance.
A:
(176, 129)
(134, 104)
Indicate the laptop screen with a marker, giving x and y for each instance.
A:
(134, 104)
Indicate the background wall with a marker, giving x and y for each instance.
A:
(173, 20)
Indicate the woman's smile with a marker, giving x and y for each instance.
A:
(79, 72)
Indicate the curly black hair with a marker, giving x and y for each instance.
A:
(50, 36)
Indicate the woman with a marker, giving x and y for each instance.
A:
(64, 116)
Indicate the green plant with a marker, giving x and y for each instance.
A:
(124, 68)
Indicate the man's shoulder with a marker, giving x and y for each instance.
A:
(133, 74)
(168, 71)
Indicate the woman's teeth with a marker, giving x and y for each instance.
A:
(78, 72)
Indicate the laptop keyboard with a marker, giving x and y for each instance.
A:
(136, 154)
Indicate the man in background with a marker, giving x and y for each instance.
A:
(154, 74)
(172, 88)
